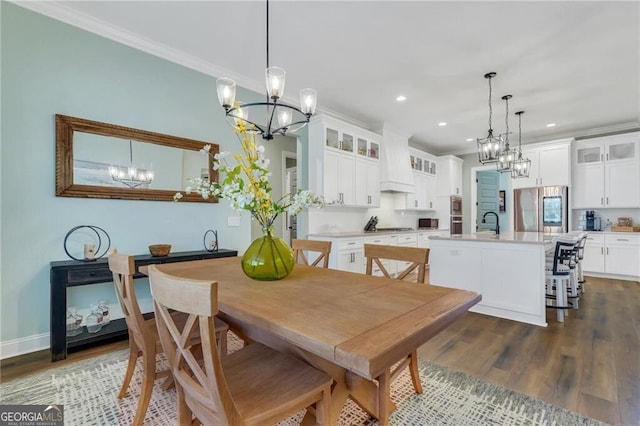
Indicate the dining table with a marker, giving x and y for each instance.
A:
(353, 326)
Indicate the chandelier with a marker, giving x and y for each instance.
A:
(131, 176)
(489, 147)
(287, 118)
(521, 166)
(506, 155)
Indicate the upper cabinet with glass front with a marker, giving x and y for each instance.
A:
(607, 172)
(344, 169)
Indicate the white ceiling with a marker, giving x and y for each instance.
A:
(576, 64)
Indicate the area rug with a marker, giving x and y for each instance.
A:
(88, 390)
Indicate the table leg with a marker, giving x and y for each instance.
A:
(384, 401)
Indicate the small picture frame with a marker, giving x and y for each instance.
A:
(501, 201)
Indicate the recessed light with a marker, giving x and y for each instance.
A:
(469, 139)
(551, 125)
(442, 124)
(401, 98)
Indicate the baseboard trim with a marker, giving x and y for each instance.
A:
(611, 276)
(24, 345)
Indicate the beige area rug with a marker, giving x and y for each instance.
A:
(88, 390)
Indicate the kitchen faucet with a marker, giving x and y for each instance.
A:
(497, 221)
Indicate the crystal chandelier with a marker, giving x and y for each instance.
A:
(489, 147)
(506, 155)
(131, 176)
(521, 166)
(288, 118)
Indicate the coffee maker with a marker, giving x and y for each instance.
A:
(590, 220)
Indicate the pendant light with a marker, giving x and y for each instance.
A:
(131, 176)
(521, 166)
(506, 155)
(287, 118)
(489, 147)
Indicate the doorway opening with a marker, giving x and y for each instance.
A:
(290, 186)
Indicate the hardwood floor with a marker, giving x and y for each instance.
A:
(590, 364)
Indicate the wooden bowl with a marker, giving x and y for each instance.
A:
(159, 249)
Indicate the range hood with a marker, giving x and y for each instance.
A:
(395, 167)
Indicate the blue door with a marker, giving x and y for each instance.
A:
(487, 189)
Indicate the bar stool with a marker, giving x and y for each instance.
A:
(558, 277)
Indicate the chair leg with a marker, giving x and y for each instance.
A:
(131, 367)
(185, 416)
(149, 375)
(559, 299)
(222, 343)
(415, 374)
(323, 408)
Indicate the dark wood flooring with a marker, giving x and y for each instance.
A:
(590, 364)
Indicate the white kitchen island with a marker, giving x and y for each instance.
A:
(506, 269)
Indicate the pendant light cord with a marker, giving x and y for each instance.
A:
(130, 153)
(490, 109)
(267, 33)
(506, 122)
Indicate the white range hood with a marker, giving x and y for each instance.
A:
(395, 167)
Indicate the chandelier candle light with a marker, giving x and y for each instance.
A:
(289, 118)
(131, 176)
(489, 147)
(521, 166)
(506, 155)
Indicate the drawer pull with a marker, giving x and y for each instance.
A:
(621, 239)
(351, 244)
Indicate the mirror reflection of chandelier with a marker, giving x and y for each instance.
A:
(280, 117)
(131, 176)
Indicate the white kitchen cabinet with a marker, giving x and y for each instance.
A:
(449, 181)
(425, 168)
(339, 178)
(622, 253)
(607, 172)
(612, 253)
(550, 165)
(367, 183)
(351, 260)
(343, 163)
(594, 254)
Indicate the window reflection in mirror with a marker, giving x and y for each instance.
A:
(94, 155)
(93, 161)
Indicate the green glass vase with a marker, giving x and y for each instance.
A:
(268, 258)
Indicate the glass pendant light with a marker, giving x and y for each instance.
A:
(506, 155)
(521, 166)
(489, 147)
(281, 118)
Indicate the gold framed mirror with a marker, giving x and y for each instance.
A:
(102, 160)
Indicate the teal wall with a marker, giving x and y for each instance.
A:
(53, 68)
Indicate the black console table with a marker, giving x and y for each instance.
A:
(71, 273)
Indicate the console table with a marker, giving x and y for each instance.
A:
(71, 273)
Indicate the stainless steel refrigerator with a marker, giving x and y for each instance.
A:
(542, 209)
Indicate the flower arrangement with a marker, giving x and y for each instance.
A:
(246, 183)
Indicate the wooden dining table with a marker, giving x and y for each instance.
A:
(355, 327)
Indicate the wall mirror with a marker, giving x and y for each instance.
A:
(101, 160)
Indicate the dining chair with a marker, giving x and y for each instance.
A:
(322, 247)
(417, 258)
(254, 385)
(143, 334)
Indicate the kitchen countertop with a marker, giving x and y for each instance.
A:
(505, 237)
(608, 233)
(371, 234)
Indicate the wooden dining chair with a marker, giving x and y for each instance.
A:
(419, 259)
(322, 247)
(255, 385)
(143, 334)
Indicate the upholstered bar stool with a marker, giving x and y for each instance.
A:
(558, 277)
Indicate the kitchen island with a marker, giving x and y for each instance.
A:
(506, 269)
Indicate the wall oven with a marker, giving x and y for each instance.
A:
(456, 205)
(455, 227)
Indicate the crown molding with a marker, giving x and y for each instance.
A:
(73, 17)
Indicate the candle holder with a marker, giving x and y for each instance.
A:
(210, 241)
(91, 251)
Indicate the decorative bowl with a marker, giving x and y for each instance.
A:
(159, 249)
